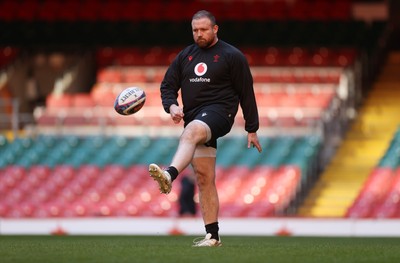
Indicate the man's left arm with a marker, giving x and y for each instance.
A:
(243, 82)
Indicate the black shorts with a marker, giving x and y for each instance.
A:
(219, 125)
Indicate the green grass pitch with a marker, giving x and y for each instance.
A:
(76, 249)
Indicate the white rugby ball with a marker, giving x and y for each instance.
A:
(130, 101)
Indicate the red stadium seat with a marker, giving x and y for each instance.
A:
(68, 11)
(89, 11)
(372, 193)
(134, 75)
(26, 11)
(59, 101)
(111, 75)
(8, 10)
(4, 209)
(83, 100)
(105, 94)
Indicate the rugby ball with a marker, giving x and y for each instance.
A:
(130, 101)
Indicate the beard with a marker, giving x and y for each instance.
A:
(203, 43)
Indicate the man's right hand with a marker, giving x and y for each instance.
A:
(176, 113)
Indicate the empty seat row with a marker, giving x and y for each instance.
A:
(296, 102)
(380, 194)
(379, 197)
(285, 150)
(267, 95)
(300, 56)
(256, 56)
(155, 117)
(136, 56)
(89, 191)
(154, 74)
(65, 191)
(101, 151)
(391, 158)
(87, 10)
(77, 151)
(258, 192)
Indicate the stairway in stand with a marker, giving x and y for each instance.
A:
(363, 146)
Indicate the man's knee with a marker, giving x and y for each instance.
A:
(195, 132)
(205, 177)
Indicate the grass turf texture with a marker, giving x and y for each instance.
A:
(166, 249)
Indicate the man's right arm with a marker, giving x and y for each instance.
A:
(170, 86)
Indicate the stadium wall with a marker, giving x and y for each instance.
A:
(194, 226)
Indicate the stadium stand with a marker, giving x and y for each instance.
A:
(109, 10)
(75, 176)
(304, 56)
(361, 150)
(379, 195)
(381, 120)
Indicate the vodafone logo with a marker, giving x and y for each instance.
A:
(200, 69)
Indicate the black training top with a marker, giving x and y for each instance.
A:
(218, 77)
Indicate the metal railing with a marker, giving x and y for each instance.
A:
(11, 118)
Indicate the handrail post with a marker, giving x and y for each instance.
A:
(15, 117)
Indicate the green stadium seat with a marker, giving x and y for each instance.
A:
(251, 157)
(110, 173)
(391, 158)
(230, 150)
(158, 150)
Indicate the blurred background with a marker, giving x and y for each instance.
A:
(327, 83)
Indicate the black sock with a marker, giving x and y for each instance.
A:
(213, 230)
(173, 172)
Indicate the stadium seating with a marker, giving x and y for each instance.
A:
(88, 191)
(298, 51)
(92, 26)
(257, 56)
(110, 10)
(304, 104)
(102, 150)
(286, 95)
(291, 97)
(367, 152)
(379, 196)
(53, 176)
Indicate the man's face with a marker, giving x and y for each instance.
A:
(204, 33)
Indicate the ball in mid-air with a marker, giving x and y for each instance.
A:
(130, 101)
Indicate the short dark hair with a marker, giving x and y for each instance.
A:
(203, 14)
